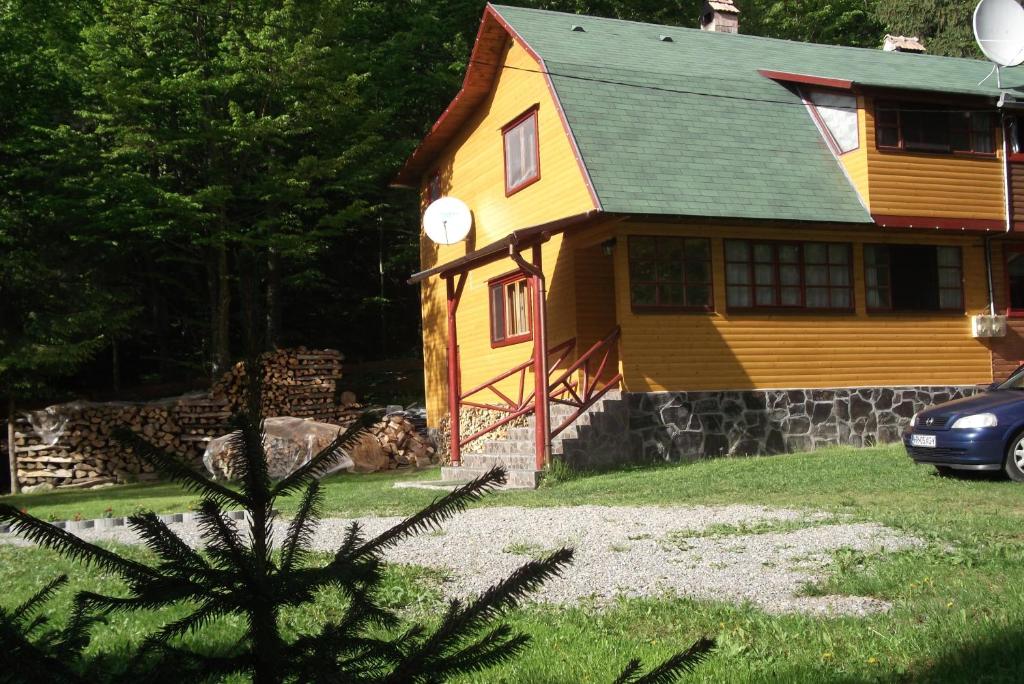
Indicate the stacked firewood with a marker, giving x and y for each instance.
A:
(296, 382)
(403, 443)
(71, 445)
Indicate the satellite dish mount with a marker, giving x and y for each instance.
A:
(999, 30)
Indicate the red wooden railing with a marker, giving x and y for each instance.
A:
(579, 385)
(589, 383)
(523, 404)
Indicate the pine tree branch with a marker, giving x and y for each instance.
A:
(71, 547)
(221, 536)
(159, 538)
(248, 462)
(461, 622)
(497, 646)
(174, 470)
(29, 607)
(672, 669)
(433, 515)
(300, 530)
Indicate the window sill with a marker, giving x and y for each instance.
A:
(662, 310)
(512, 341)
(916, 312)
(522, 186)
(747, 310)
(937, 153)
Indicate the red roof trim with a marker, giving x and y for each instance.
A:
(476, 85)
(558, 105)
(807, 79)
(479, 80)
(887, 221)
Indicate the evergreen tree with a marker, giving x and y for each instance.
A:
(245, 574)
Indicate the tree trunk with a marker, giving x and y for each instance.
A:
(115, 367)
(248, 287)
(220, 304)
(12, 455)
(211, 287)
(273, 298)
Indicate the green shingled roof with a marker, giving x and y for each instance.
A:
(691, 128)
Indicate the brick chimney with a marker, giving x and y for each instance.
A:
(721, 16)
(903, 44)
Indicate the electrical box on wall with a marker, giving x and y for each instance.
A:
(988, 326)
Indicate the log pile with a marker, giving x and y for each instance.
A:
(296, 382)
(71, 445)
(403, 443)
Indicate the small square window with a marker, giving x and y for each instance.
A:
(522, 153)
(511, 310)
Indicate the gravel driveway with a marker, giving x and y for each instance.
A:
(729, 553)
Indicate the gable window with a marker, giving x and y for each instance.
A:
(811, 275)
(511, 309)
(933, 128)
(1015, 280)
(522, 152)
(838, 114)
(913, 278)
(669, 273)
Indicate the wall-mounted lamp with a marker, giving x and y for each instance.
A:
(607, 246)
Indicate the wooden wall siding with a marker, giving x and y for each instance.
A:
(856, 161)
(595, 300)
(1007, 352)
(938, 185)
(1017, 190)
(800, 350)
(473, 170)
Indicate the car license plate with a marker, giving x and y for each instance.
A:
(923, 441)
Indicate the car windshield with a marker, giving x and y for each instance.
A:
(1014, 382)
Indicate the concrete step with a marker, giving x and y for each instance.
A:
(517, 479)
(506, 446)
(509, 461)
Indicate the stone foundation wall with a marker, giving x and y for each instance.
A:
(688, 425)
(680, 426)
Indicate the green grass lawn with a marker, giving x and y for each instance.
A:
(958, 610)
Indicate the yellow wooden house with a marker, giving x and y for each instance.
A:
(691, 242)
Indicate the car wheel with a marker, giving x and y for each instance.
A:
(1014, 466)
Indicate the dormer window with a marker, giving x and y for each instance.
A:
(522, 152)
(837, 113)
(934, 128)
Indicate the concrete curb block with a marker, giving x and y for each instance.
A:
(108, 523)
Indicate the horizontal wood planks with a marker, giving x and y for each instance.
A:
(472, 169)
(933, 185)
(718, 351)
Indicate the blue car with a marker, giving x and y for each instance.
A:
(983, 432)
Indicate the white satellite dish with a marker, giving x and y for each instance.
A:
(447, 221)
(999, 30)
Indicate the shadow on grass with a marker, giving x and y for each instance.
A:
(114, 493)
(995, 658)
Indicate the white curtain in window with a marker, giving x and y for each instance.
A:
(521, 152)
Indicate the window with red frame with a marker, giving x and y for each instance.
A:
(934, 128)
(669, 273)
(811, 275)
(1015, 279)
(511, 320)
(913, 278)
(522, 152)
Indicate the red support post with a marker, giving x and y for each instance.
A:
(454, 371)
(542, 416)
